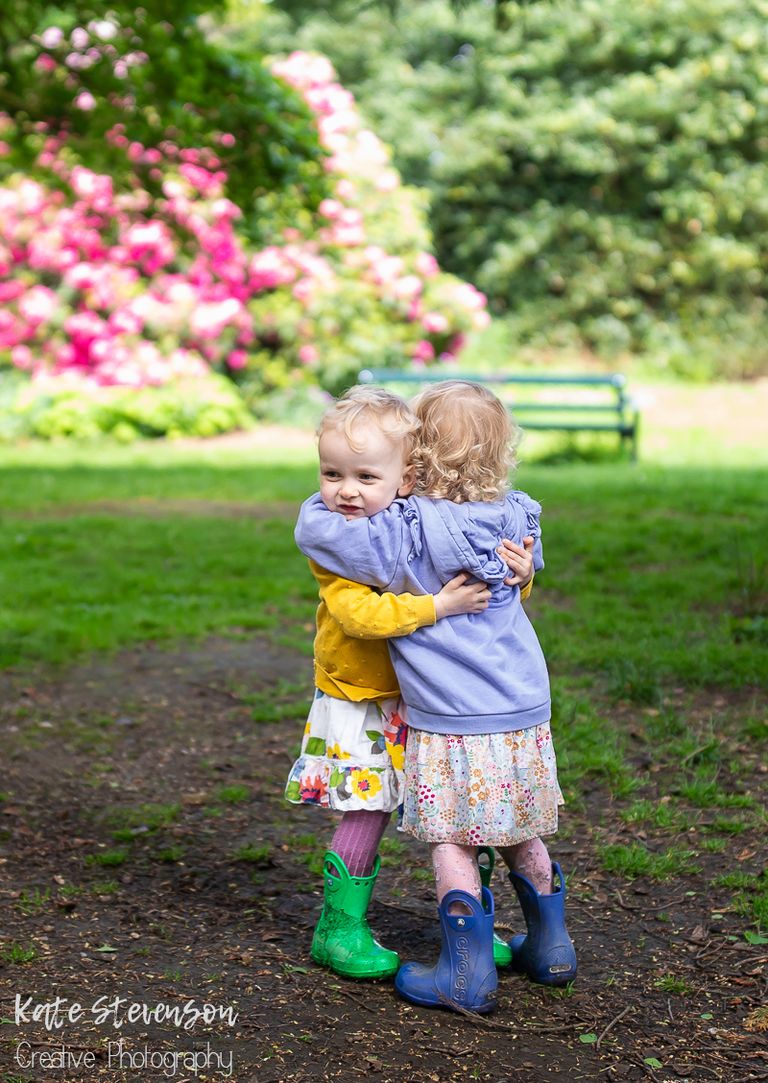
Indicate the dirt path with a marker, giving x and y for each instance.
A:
(147, 855)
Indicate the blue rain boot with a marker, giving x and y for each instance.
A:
(464, 976)
(502, 953)
(546, 954)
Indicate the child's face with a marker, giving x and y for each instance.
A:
(358, 483)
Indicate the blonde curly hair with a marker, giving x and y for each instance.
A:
(467, 442)
(365, 405)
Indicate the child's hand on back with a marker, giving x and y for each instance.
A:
(519, 560)
(459, 596)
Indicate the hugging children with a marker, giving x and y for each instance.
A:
(406, 539)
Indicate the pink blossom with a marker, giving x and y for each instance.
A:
(426, 265)
(330, 208)
(225, 210)
(38, 304)
(65, 354)
(345, 189)
(303, 290)
(78, 61)
(387, 268)
(346, 236)
(181, 294)
(151, 243)
(237, 359)
(351, 216)
(79, 37)
(269, 269)
(9, 291)
(209, 320)
(423, 350)
(52, 37)
(94, 187)
(435, 323)
(124, 322)
(31, 197)
(104, 29)
(205, 182)
(45, 63)
(468, 297)
(407, 287)
(304, 70)
(100, 349)
(11, 330)
(85, 101)
(21, 357)
(308, 354)
(84, 327)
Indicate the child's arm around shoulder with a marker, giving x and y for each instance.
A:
(366, 550)
(365, 614)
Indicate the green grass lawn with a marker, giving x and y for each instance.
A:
(655, 573)
(652, 608)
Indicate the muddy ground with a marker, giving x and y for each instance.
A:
(107, 890)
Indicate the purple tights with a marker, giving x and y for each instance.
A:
(357, 839)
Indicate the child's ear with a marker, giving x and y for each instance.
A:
(408, 482)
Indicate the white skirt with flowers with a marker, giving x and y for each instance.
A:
(352, 756)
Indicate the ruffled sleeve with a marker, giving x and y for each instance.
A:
(527, 512)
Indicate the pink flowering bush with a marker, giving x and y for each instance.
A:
(146, 273)
(359, 288)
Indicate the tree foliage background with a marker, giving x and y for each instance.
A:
(599, 169)
(184, 85)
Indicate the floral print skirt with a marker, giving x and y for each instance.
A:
(351, 756)
(491, 789)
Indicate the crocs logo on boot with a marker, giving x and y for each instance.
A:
(461, 980)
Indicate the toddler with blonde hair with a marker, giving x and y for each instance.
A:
(351, 757)
(480, 767)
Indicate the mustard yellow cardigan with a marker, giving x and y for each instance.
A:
(354, 623)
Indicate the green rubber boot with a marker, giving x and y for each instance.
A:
(343, 940)
(502, 953)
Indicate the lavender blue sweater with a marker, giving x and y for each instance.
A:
(475, 673)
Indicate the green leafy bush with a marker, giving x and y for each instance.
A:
(599, 170)
(194, 407)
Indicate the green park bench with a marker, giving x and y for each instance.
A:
(572, 407)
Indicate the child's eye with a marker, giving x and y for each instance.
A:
(368, 477)
(330, 474)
